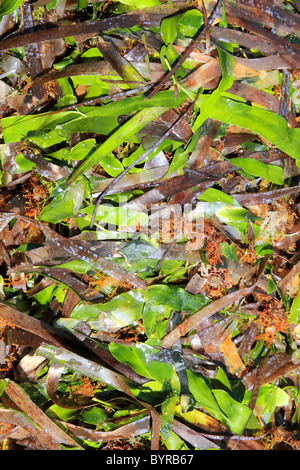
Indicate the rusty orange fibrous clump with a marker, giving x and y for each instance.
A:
(35, 194)
(83, 391)
(271, 319)
(213, 240)
(219, 281)
(100, 281)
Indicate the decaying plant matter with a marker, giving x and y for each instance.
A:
(149, 220)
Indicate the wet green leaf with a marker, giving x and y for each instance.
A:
(229, 251)
(173, 442)
(18, 128)
(91, 54)
(211, 102)
(139, 358)
(203, 394)
(52, 128)
(215, 195)
(168, 29)
(235, 415)
(232, 214)
(9, 6)
(114, 216)
(295, 309)
(23, 164)
(82, 149)
(94, 415)
(175, 298)
(221, 405)
(178, 161)
(270, 396)
(271, 173)
(111, 165)
(128, 129)
(186, 24)
(161, 299)
(121, 311)
(76, 265)
(138, 249)
(168, 411)
(269, 125)
(190, 23)
(64, 204)
(169, 57)
(85, 312)
(64, 414)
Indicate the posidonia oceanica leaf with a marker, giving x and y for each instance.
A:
(89, 368)
(65, 204)
(168, 29)
(200, 419)
(236, 415)
(216, 195)
(271, 173)
(202, 393)
(175, 298)
(162, 299)
(267, 124)
(120, 311)
(94, 119)
(270, 397)
(38, 417)
(104, 119)
(221, 405)
(131, 127)
(72, 248)
(191, 322)
(128, 307)
(18, 128)
(187, 23)
(139, 359)
(295, 309)
(190, 22)
(226, 64)
(135, 428)
(111, 165)
(167, 415)
(114, 216)
(9, 6)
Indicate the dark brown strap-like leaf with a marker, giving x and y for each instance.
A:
(97, 372)
(119, 63)
(250, 41)
(277, 365)
(193, 437)
(272, 62)
(193, 321)
(18, 421)
(33, 56)
(244, 12)
(54, 374)
(144, 17)
(136, 428)
(266, 197)
(76, 249)
(19, 397)
(21, 320)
